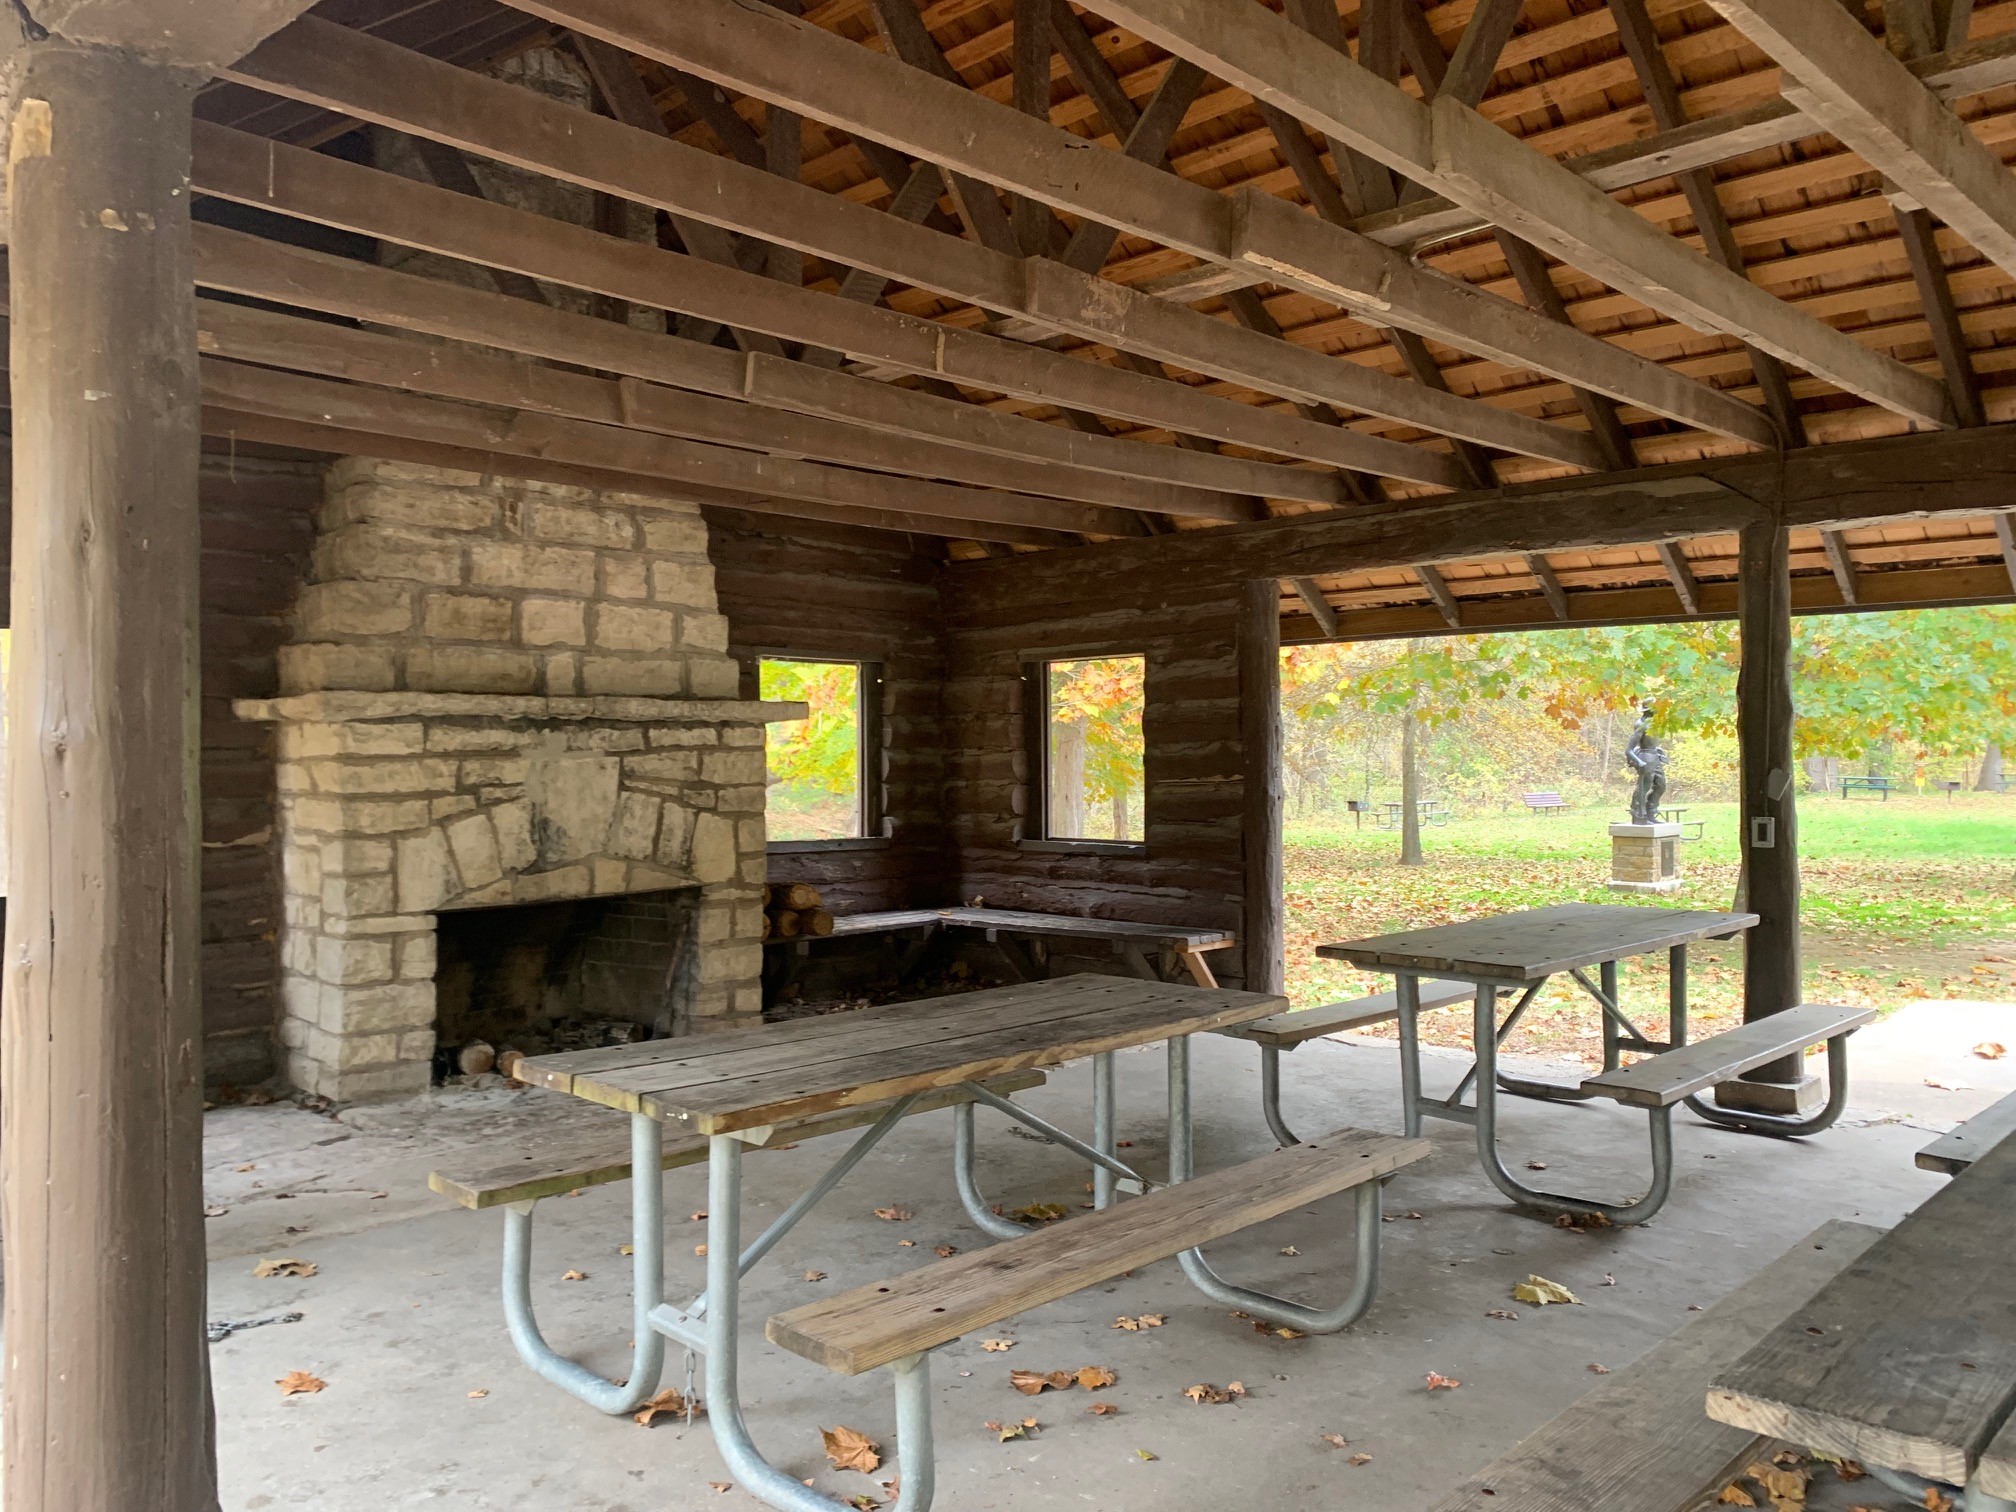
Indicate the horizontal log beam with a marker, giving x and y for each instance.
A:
(1934, 474)
(803, 67)
(310, 186)
(529, 433)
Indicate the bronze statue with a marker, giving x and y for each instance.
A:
(1648, 759)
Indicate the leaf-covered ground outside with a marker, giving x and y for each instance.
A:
(1910, 898)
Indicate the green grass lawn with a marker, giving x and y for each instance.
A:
(1910, 898)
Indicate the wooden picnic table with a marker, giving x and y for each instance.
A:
(740, 1087)
(1153, 952)
(1907, 1359)
(1521, 952)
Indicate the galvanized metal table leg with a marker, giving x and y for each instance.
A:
(1270, 1096)
(1407, 998)
(1676, 996)
(1613, 1053)
(647, 1287)
(751, 1471)
(1264, 1305)
(1776, 1124)
(977, 1207)
(1104, 1118)
(1659, 1119)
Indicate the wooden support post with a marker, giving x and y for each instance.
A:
(1769, 835)
(107, 1395)
(1261, 935)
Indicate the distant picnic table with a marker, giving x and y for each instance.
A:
(1882, 787)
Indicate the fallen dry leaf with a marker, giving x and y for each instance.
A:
(849, 1450)
(1360, 1458)
(1290, 1250)
(691, 1217)
(945, 1251)
(1102, 1409)
(723, 1487)
(1040, 1212)
(284, 1267)
(1599, 1370)
(212, 1210)
(299, 1382)
(906, 1244)
(1284, 1332)
(894, 1214)
(1503, 1315)
(670, 1401)
(1032, 1382)
(1608, 1279)
(1334, 1440)
(1539, 1291)
(1146, 1320)
(861, 1501)
(246, 1167)
(1947, 1086)
(1735, 1496)
(626, 1249)
(700, 1250)
(1581, 1223)
(479, 1393)
(1006, 1431)
(997, 1346)
(1146, 1455)
(1204, 1392)
(1937, 1500)
(1991, 1050)
(1536, 1165)
(1093, 1377)
(811, 1275)
(1437, 1382)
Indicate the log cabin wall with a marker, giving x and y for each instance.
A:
(1005, 614)
(833, 591)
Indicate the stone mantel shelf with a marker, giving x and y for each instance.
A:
(349, 707)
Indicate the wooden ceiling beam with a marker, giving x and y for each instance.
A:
(1848, 82)
(837, 81)
(1550, 584)
(2005, 536)
(1438, 592)
(1106, 470)
(1841, 564)
(316, 187)
(310, 435)
(530, 433)
(1680, 575)
(1318, 606)
(1452, 148)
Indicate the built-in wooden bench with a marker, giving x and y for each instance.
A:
(878, 1324)
(1662, 1080)
(1958, 1148)
(1284, 1031)
(1640, 1441)
(533, 1164)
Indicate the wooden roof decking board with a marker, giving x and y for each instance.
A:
(1907, 1359)
(780, 1072)
(1537, 942)
(1640, 1438)
(872, 1325)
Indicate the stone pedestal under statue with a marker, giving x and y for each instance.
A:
(1645, 858)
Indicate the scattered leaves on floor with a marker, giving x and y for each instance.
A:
(690, 1217)
(1581, 1223)
(815, 1275)
(1360, 1458)
(574, 1275)
(1503, 1315)
(1947, 1086)
(479, 1393)
(1146, 1320)
(1536, 1165)
(1204, 1393)
(1146, 1455)
(1094, 1377)
(945, 1251)
(1937, 1500)
(894, 1214)
(1608, 1279)
(700, 1250)
(248, 1166)
(1733, 1495)
(626, 1249)
(1040, 1212)
(670, 1401)
(1334, 1440)
(1991, 1050)
(299, 1383)
(1784, 1483)
(212, 1210)
(906, 1244)
(1290, 1250)
(1006, 1431)
(1102, 1409)
(1033, 1382)
(861, 1501)
(721, 1488)
(1539, 1291)
(1599, 1369)
(849, 1450)
(286, 1266)
(1440, 1382)
(997, 1346)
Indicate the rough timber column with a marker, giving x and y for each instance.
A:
(1770, 834)
(107, 1401)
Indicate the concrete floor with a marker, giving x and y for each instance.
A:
(402, 1322)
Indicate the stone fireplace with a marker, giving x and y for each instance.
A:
(504, 693)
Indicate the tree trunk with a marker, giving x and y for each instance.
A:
(1820, 773)
(107, 1393)
(1120, 820)
(1990, 780)
(1609, 731)
(1410, 791)
(1067, 780)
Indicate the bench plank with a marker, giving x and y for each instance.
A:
(584, 1160)
(1662, 1080)
(858, 1330)
(1906, 1359)
(1997, 1474)
(1639, 1440)
(1537, 942)
(1285, 1031)
(1958, 1148)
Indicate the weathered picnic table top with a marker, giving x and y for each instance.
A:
(1014, 921)
(745, 1079)
(1536, 942)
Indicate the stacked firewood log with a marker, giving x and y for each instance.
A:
(791, 909)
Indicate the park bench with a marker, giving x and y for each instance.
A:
(1285, 1031)
(1640, 1440)
(1882, 787)
(1681, 1074)
(1545, 803)
(1958, 1148)
(533, 1163)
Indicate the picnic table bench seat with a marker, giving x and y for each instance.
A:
(1640, 1440)
(532, 1163)
(1677, 1075)
(1959, 1147)
(887, 1321)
